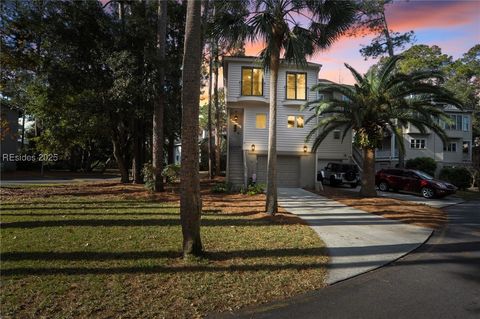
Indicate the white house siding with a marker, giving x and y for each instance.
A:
(290, 141)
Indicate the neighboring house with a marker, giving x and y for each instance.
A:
(247, 97)
(458, 151)
(9, 138)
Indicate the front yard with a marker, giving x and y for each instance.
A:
(114, 251)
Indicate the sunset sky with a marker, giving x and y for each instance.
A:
(452, 25)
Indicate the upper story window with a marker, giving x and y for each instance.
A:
(456, 124)
(296, 86)
(261, 120)
(295, 121)
(418, 143)
(450, 147)
(466, 123)
(252, 81)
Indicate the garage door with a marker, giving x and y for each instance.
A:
(288, 170)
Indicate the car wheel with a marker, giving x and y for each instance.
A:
(383, 186)
(428, 192)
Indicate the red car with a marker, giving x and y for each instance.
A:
(412, 181)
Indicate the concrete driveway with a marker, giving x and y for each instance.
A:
(357, 241)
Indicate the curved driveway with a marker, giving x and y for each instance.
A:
(439, 280)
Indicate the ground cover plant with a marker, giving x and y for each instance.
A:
(112, 250)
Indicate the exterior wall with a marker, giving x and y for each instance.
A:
(9, 142)
(290, 141)
(434, 146)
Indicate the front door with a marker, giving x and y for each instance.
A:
(235, 127)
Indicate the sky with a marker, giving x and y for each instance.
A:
(452, 25)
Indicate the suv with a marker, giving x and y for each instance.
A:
(412, 181)
(338, 174)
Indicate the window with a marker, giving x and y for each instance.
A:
(450, 147)
(296, 86)
(261, 120)
(295, 121)
(466, 147)
(466, 123)
(252, 81)
(417, 143)
(336, 135)
(456, 124)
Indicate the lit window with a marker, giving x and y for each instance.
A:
(261, 120)
(466, 147)
(450, 147)
(296, 86)
(252, 81)
(417, 143)
(295, 121)
(300, 121)
(291, 121)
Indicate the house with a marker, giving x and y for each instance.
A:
(9, 138)
(247, 98)
(458, 151)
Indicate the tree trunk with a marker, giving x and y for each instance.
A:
(119, 157)
(137, 161)
(159, 103)
(218, 124)
(209, 118)
(391, 53)
(271, 206)
(190, 201)
(368, 174)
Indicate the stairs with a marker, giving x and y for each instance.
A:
(235, 166)
(357, 157)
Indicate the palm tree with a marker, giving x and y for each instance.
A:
(381, 102)
(190, 202)
(278, 23)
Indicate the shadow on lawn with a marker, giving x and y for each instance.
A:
(145, 222)
(444, 256)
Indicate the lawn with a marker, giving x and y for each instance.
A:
(114, 251)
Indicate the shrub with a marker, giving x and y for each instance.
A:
(222, 188)
(149, 176)
(171, 173)
(254, 189)
(458, 176)
(424, 164)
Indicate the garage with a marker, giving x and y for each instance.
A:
(288, 170)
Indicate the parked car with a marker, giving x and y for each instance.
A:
(338, 174)
(412, 181)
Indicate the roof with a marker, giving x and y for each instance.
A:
(256, 59)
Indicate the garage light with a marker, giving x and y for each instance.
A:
(304, 148)
(253, 147)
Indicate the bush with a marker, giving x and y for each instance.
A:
(424, 164)
(171, 173)
(149, 176)
(458, 176)
(254, 189)
(222, 188)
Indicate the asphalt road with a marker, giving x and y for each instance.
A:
(439, 280)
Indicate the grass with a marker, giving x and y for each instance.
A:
(391, 208)
(468, 194)
(109, 250)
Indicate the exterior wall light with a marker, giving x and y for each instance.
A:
(235, 118)
(253, 147)
(305, 148)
